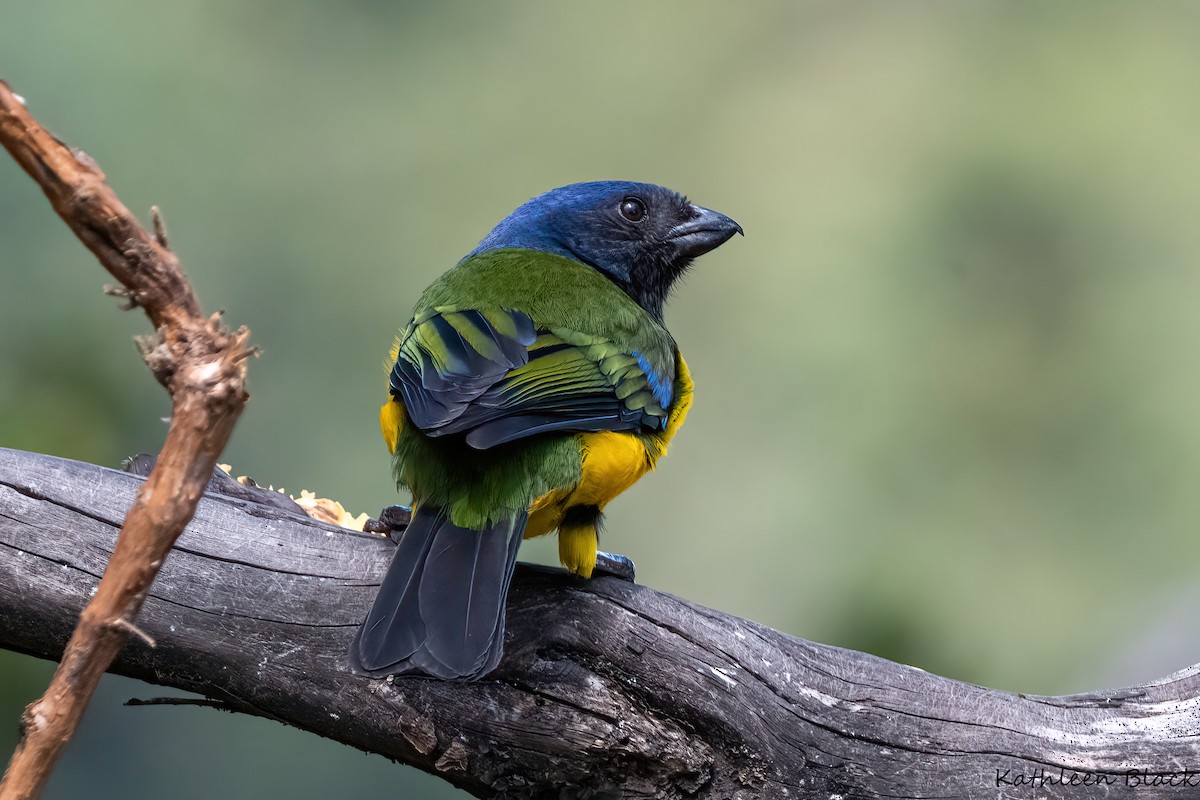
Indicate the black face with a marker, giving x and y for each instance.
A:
(639, 235)
(643, 237)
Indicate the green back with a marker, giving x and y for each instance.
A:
(624, 348)
(555, 292)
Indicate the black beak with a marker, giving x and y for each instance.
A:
(706, 230)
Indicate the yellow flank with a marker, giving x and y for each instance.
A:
(546, 512)
(612, 462)
(684, 388)
(391, 413)
(391, 421)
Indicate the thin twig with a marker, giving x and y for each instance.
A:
(129, 627)
(202, 366)
(160, 228)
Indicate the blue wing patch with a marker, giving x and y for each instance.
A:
(662, 388)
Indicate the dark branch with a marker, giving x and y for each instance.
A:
(606, 688)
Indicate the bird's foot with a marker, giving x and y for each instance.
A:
(392, 522)
(614, 564)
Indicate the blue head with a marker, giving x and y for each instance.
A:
(641, 236)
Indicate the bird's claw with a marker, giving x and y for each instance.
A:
(616, 565)
(392, 522)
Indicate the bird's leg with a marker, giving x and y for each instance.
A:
(614, 564)
(578, 534)
(392, 522)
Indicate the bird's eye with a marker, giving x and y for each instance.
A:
(633, 209)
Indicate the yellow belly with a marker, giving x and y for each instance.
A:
(610, 464)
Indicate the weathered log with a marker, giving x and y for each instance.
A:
(606, 689)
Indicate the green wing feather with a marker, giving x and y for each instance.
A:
(495, 376)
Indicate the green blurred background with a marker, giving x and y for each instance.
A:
(947, 386)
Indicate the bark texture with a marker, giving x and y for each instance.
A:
(606, 689)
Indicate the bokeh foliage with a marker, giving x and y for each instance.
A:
(947, 385)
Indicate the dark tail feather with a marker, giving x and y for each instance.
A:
(440, 608)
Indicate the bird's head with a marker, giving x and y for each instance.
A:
(641, 236)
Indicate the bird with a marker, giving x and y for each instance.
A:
(535, 381)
